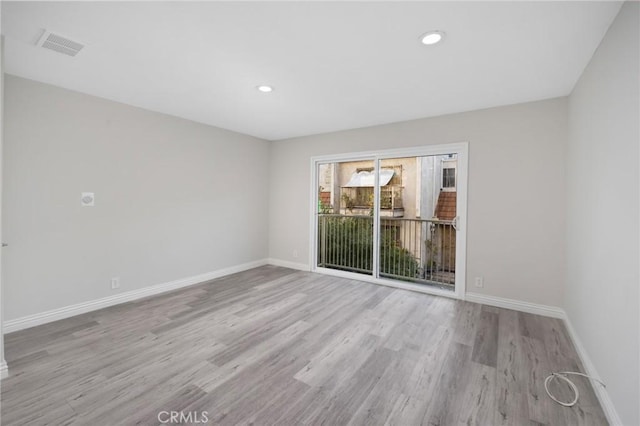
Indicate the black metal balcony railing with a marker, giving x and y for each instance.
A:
(415, 250)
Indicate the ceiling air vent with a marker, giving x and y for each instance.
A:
(60, 44)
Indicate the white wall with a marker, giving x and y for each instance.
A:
(174, 198)
(3, 365)
(516, 191)
(601, 295)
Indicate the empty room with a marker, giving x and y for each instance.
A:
(320, 213)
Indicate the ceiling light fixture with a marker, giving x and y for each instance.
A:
(432, 37)
(265, 89)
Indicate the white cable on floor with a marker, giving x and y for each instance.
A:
(563, 376)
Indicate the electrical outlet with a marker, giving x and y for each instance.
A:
(295, 254)
(115, 283)
(479, 282)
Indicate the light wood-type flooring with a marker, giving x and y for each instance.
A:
(273, 346)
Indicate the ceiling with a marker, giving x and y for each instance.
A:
(333, 65)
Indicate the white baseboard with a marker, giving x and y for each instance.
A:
(93, 305)
(516, 305)
(287, 264)
(4, 370)
(601, 392)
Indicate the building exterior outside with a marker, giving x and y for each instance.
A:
(417, 209)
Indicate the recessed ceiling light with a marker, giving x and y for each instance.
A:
(265, 89)
(432, 37)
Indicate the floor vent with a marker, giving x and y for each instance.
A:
(60, 44)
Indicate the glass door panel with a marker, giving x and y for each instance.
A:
(345, 199)
(418, 211)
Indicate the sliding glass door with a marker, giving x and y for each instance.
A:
(417, 219)
(391, 218)
(345, 216)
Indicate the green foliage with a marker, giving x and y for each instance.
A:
(347, 243)
(349, 202)
(324, 208)
(396, 260)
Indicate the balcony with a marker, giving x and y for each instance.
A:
(413, 250)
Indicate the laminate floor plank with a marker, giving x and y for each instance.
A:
(176, 402)
(511, 375)
(421, 381)
(378, 407)
(453, 380)
(485, 345)
(274, 346)
(406, 410)
(478, 402)
(541, 408)
(344, 401)
(466, 319)
(227, 408)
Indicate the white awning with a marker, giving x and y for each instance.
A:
(366, 179)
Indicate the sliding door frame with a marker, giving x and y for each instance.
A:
(462, 151)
